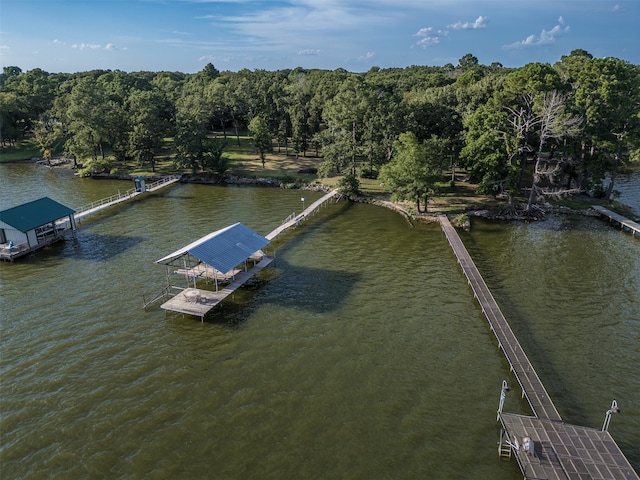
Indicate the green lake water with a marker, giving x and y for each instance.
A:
(361, 355)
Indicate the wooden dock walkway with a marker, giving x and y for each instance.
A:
(97, 206)
(531, 385)
(562, 451)
(625, 223)
(296, 219)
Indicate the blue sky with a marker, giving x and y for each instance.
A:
(185, 35)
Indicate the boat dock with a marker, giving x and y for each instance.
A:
(625, 223)
(198, 302)
(544, 445)
(99, 205)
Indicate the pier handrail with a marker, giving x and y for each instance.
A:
(105, 201)
(164, 293)
(126, 195)
(162, 181)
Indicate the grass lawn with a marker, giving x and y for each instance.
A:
(24, 150)
(245, 162)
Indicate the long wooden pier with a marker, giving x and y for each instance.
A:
(95, 207)
(556, 450)
(296, 219)
(625, 223)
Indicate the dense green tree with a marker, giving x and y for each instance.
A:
(414, 170)
(349, 186)
(259, 130)
(490, 152)
(13, 118)
(468, 62)
(299, 98)
(385, 119)
(86, 130)
(149, 126)
(607, 94)
(214, 158)
(345, 117)
(8, 72)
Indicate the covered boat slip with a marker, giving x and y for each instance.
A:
(198, 302)
(215, 257)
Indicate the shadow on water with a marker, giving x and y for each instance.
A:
(287, 285)
(98, 247)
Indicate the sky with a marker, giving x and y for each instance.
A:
(185, 35)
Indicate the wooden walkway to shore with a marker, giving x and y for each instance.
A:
(531, 385)
(562, 451)
(95, 207)
(294, 220)
(625, 223)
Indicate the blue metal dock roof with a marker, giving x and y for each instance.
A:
(223, 249)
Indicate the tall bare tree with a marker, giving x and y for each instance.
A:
(554, 124)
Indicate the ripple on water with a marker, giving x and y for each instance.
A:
(363, 356)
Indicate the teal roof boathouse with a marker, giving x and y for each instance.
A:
(33, 225)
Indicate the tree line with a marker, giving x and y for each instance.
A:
(539, 129)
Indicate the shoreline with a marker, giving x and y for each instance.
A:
(405, 208)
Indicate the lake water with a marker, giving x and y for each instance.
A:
(362, 355)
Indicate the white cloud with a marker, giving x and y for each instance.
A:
(85, 46)
(618, 8)
(93, 46)
(480, 22)
(4, 49)
(429, 37)
(546, 37)
(309, 51)
(428, 41)
(368, 56)
(423, 32)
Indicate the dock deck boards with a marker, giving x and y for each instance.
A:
(199, 302)
(566, 451)
(625, 223)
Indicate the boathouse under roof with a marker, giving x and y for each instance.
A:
(33, 225)
(223, 249)
(37, 213)
(218, 254)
